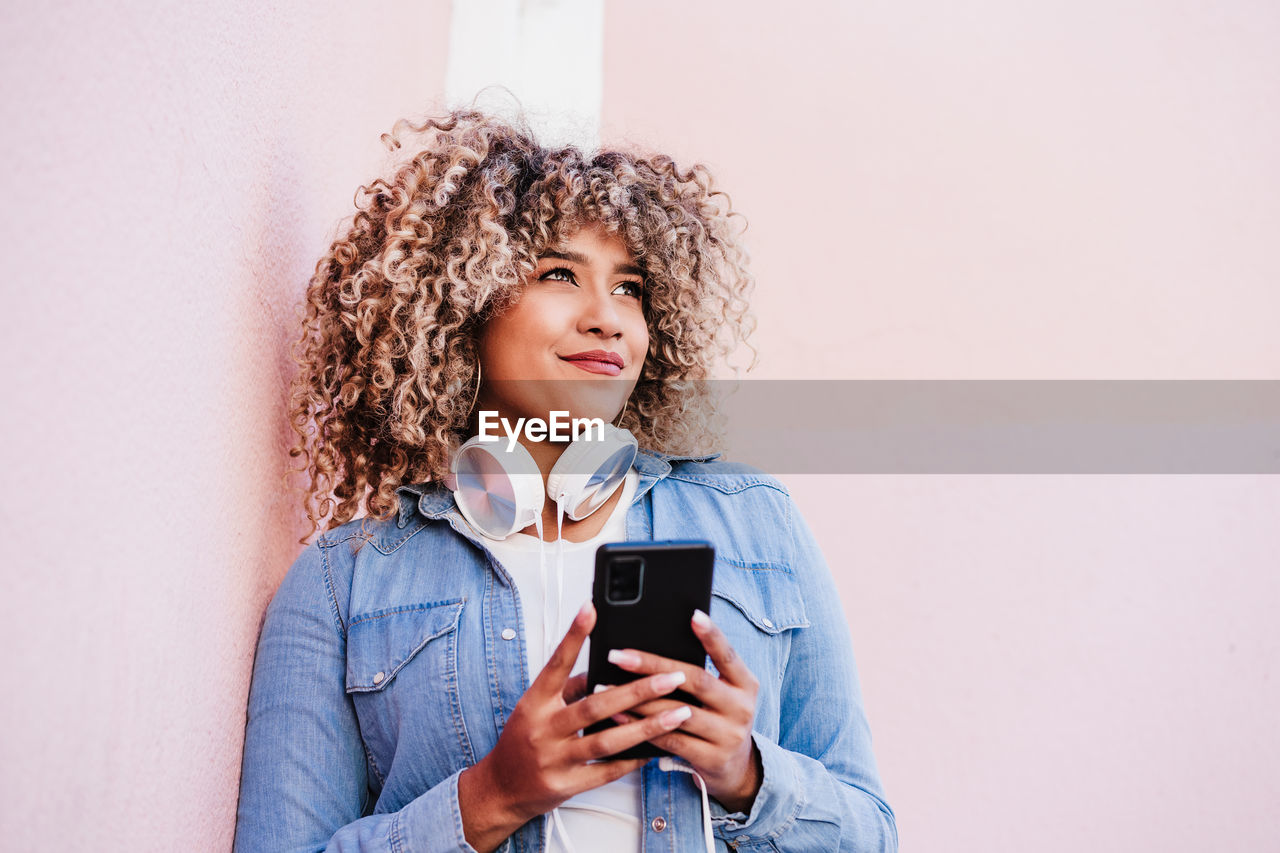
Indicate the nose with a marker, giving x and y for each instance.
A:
(599, 313)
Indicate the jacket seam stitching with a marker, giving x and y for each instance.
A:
(491, 663)
(397, 845)
(709, 482)
(785, 664)
(455, 811)
(373, 763)
(385, 547)
(408, 608)
(333, 598)
(801, 802)
(790, 532)
(455, 696)
(450, 630)
(325, 542)
(756, 566)
(671, 806)
(751, 618)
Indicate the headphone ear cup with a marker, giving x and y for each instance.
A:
(589, 471)
(498, 489)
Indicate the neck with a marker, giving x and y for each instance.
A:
(546, 454)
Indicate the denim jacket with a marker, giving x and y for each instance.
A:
(386, 666)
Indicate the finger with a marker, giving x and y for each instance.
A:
(601, 705)
(653, 706)
(551, 681)
(604, 772)
(706, 724)
(698, 682)
(603, 744)
(575, 688)
(695, 750)
(732, 668)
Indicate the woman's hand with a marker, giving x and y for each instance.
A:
(716, 740)
(540, 759)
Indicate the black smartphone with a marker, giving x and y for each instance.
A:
(645, 594)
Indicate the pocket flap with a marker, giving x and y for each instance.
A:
(381, 642)
(769, 598)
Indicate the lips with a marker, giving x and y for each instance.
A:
(597, 361)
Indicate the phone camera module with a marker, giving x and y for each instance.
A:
(626, 580)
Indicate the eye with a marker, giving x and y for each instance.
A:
(558, 274)
(630, 288)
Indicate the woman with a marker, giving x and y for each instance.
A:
(406, 693)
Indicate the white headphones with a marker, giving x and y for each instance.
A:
(499, 488)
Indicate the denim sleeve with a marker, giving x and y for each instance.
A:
(821, 788)
(304, 783)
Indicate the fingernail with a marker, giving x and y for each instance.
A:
(676, 716)
(601, 688)
(668, 680)
(701, 619)
(621, 658)
(584, 609)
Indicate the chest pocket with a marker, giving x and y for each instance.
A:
(757, 608)
(402, 676)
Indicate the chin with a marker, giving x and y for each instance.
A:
(607, 413)
(602, 399)
(581, 398)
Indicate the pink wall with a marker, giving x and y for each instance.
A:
(1006, 190)
(171, 178)
(1079, 190)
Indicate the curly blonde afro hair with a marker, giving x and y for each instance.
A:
(388, 348)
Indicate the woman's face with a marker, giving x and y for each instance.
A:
(576, 339)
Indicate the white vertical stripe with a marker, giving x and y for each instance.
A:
(549, 53)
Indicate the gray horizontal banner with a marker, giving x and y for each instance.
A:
(1003, 426)
(953, 426)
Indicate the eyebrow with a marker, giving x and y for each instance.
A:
(579, 258)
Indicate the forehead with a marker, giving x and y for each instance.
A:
(589, 241)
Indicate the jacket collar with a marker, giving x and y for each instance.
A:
(434, 500)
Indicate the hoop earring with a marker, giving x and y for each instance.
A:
(476, 396)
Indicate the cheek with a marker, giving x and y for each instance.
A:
(539, 317)
(508, 340)
(493, 345)
(638, 334)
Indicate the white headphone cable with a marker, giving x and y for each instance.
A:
(551, 630)
(670, 763)
(559, 565)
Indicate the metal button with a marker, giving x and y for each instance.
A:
(377, 679)
(768, 623)
(659, 823)
(508, 633)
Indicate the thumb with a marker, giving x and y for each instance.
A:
(575, 688)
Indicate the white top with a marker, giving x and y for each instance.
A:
(608, 817)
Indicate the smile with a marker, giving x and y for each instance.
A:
(591, 365)
(597, 361)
